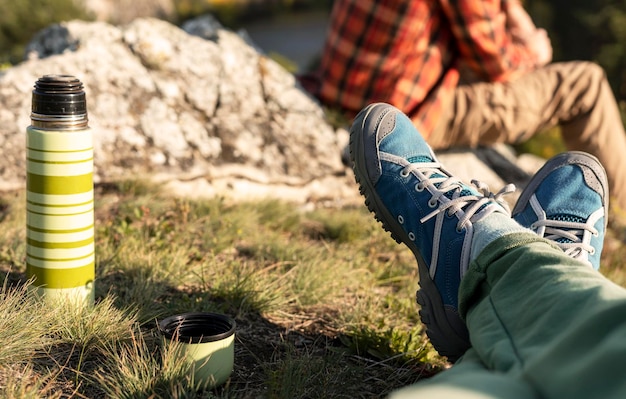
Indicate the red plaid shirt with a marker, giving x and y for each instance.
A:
(409, 53)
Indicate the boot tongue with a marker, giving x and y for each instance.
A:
(566, 218)
(420, 158)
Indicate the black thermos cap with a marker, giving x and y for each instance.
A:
(59, 95)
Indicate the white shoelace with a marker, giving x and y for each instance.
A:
(442, 185)
(575, 232)
(432, 176)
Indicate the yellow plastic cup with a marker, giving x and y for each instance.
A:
(206, 341)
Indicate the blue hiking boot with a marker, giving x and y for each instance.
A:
(567, 202)
(424, 207)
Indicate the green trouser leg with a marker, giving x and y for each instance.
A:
(468, 379)
(540, 323)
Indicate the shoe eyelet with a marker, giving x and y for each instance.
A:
(592, 252)
(596, 234)
(419, 187)
(459, 229)
(432, 203)
(400, 219)
(411, 236)
(404, 173)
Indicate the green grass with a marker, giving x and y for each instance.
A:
(323, 300)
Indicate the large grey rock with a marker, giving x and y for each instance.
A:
(163, 102)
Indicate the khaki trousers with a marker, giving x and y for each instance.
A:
(574, 95)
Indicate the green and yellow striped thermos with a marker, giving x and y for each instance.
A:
(60, 252)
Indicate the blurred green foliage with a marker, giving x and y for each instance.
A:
(20, 20)
(546, 144)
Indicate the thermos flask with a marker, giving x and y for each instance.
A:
(60, 251)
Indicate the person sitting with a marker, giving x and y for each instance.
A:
(467, 73)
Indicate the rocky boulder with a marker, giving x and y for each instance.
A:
(174, 105)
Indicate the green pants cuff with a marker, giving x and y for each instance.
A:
(471, 286)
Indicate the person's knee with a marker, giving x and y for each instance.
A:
(591, 71)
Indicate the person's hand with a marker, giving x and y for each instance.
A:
(539, 44)
(520, 25)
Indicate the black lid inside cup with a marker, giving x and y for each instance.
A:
(197, 327)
